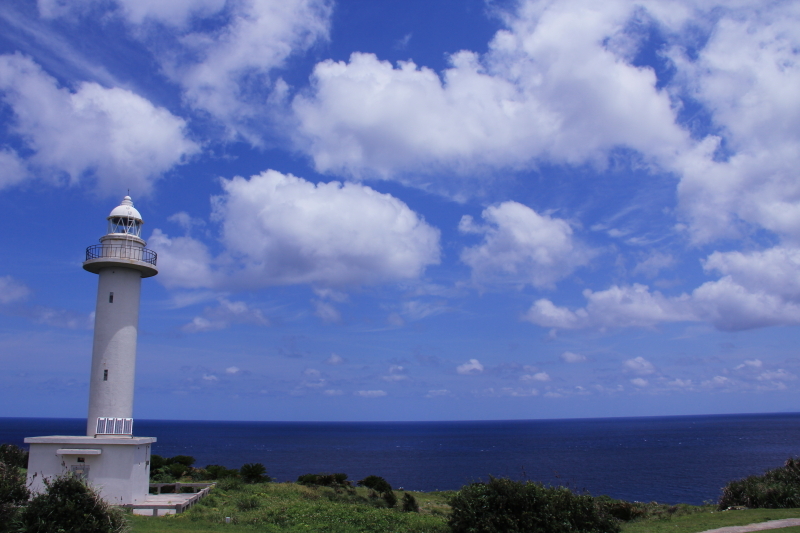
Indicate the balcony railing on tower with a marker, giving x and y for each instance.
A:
(117, 251)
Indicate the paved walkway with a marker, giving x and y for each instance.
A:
(163, 504)
(772, 524)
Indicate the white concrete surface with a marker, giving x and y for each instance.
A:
(116, 327)
(158, 502)
(120, 471)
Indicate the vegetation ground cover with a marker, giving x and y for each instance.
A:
(290, 507)
(246, 500)
(708, 517)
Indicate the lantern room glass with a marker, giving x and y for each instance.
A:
(125, 225)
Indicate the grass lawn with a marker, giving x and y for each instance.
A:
(708, 519)
(289, 507)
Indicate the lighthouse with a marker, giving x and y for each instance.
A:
(121, 261)
(108, 457)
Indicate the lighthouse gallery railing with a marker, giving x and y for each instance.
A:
(98, 251)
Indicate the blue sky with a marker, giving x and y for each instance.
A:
(408, 211)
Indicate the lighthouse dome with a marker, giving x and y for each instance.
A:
(126, 209)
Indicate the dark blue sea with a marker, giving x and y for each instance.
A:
(682, 459)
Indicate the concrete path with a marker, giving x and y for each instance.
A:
(772, 524)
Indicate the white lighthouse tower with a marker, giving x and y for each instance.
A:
(121, 260)
(109, 457)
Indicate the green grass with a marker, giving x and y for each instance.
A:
(708, 518)
(288, 508)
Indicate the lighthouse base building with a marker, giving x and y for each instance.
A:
(118, 468)
(110, 458)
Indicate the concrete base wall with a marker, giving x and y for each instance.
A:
(117, 467)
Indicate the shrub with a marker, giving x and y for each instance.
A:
(410, 504)
(324, 480)
(157, 462)
(170, 469)
(68, 504)
(13, 494)
(229, 483)
(248, 502)
(389, 498)
(177, 470)
(198, 474)
(504, 505)
(621, 509)
(13, 455)
(253, 473)
(185, 460)
(220, 472)
(162, 475)
(382, 487)
(376, 483)
(775, 489)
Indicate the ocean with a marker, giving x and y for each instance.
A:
(681, 459)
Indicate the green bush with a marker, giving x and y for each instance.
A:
(157, 463)
(247, 502)
(199, 474)
(625, 510)
(13, 494)
(253, 473)
(177, 470)
(220, 472)
(504, 505)
(775, 489)
(380, 486)
(69, 505)
(376, 483)
(13, 455)
(170, 469)
(324, 480)
(389, 498)
(229, 483)
(162, 475)
(185, 460)
(410, 504)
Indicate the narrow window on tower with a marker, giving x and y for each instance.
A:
(105, 375)
(111, 297)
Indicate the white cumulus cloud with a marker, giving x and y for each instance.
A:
(550, 88)
(284, 229)
(334, 359)
(757, 289)
(222, 54)
(752, 363)
(278, 229)
(639, 365)
(473, 366)
(743, 76)
(12, 290)
(522, 246)
(370, 393)
(225, 314)
(571, 357)
(110, 136)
